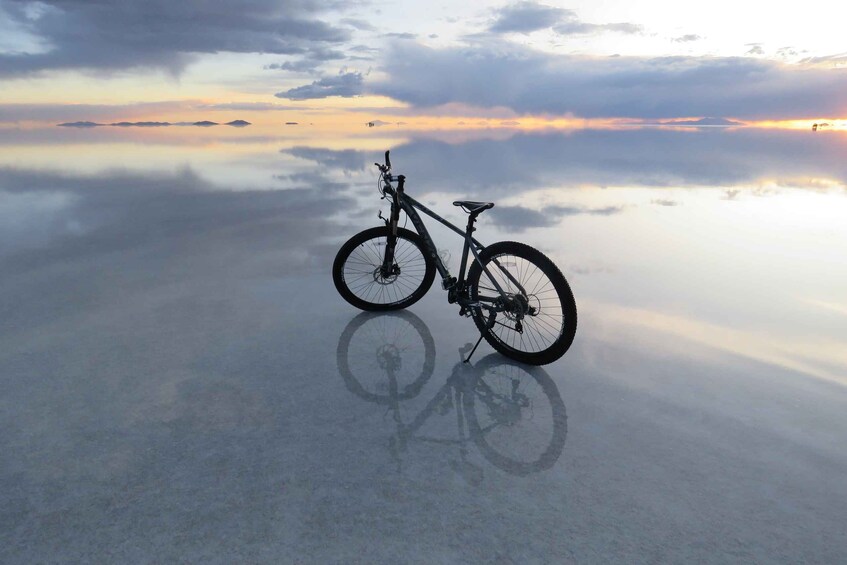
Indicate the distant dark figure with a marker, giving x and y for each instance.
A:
(814, 127)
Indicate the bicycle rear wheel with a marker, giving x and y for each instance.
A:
(536, 326)
(358, 277)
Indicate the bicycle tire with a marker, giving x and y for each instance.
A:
(356, 266)
(546, 335)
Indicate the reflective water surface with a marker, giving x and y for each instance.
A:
(181, 382)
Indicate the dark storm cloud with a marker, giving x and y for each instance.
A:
(526, 17)
(160, 33)
(345, 85)
(491, 74)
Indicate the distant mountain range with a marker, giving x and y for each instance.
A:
(204, 123)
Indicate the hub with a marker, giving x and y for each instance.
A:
(380, 277)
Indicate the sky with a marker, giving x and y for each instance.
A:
(449, 63)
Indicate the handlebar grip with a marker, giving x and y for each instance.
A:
(387, 160)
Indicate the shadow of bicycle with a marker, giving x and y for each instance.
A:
(512, 413)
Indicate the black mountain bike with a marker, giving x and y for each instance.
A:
(517, 297)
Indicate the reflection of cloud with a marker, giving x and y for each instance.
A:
(31, 219)
(589, 269)
(819, 358)
(829, 306)
(486, 168)
(161, 34)
(123, 210)
(664, 202)
(344, 159)
(127, 234)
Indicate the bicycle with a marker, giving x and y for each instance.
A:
(513, 414)
(390, 268)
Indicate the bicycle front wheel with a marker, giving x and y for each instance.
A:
(535, 325)
(359, 277)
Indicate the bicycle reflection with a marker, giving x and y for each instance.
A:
(512, 413)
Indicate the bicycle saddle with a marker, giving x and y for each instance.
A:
(472, 207)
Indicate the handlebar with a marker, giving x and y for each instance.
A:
(387, 166)
(386, 175)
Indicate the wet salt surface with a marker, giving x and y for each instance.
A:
(180, 380)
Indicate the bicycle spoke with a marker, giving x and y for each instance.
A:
(363, 267)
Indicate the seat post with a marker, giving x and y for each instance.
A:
(471, 220)
(469, 230)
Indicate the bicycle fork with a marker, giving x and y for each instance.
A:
(388, 266)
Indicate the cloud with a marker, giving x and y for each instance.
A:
(362, 25)
(117, 112)
(576, 28)
(81, 34)
(527, 17)
(250, 107)
(310, 62)
(520, 218)
(66, 112)
(839, 59)
(400, 35)
(500, 74)
(345, 85)
(687, 38)
(755, 49)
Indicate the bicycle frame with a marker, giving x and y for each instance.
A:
(404, 202)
